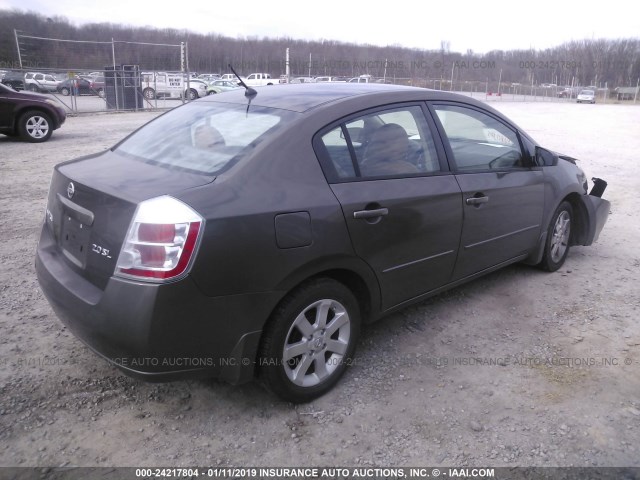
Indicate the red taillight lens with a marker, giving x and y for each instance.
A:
(156, 249)
(157, 233)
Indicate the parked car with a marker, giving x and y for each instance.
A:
(209, 77)
(75, 86)
(31, 116)
(97, 86)
(231, 77)
(40, 82)
(362, 79)
(14, 79)
(259, 80)
(197, 88)
(331, 79)
(220, 86)
(252, 233)
(303, 80)
(569, 92)
(587, 96)
(171, 85)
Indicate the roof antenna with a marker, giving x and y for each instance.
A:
(249, 92)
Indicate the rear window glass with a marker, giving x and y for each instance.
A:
(204, 137)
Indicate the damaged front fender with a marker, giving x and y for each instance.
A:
(595, 211)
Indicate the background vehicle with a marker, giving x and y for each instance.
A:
(569, 92)
(303, 80)
(209, 77)
(97, 86)
(586, 96)
(40, 82)
(345, 203)
(14, 79)
(259, 79)
(219, 86)
(362, 79)
(331, 79)
(171, 85)
(75, 86)
(232, 78)
(196, 88)
(31, 116)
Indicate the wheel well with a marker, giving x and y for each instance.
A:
(349, 279)
(357, 286)
(580, 218)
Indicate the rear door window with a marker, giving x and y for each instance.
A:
(394, 142)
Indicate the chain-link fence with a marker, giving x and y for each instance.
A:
(94, 76)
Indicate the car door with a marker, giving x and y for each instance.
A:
(503, 193)
(38, 78)
(50, 82)
(7, 106)
(402, 207)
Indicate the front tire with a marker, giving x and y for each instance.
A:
(191, 94)
(35, 126)
(309, 341)
(65, 91)
(557, 246)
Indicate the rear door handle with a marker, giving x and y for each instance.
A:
(476, 200)
(378, 212)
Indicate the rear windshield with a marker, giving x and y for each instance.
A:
(204, 137)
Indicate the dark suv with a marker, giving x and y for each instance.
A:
(14, 79)
(32, 116)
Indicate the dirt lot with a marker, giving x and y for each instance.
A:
(519, 368)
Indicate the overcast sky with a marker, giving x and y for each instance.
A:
(479, 26)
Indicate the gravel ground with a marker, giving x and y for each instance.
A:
(520, 368)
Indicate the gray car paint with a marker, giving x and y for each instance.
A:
(273, 221)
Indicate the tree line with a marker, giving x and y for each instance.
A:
(600, 62)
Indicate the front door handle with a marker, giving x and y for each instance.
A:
(476, 200)
(378, 212)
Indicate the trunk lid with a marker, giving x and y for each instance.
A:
(92, 201)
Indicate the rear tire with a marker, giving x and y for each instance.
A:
(557, 246)
(309, 341)
(149, 93)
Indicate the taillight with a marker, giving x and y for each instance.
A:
(161, 240)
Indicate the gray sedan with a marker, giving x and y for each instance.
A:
(251, 234)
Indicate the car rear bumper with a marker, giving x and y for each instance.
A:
(156, 332)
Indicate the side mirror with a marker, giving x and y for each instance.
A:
(545, 158)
